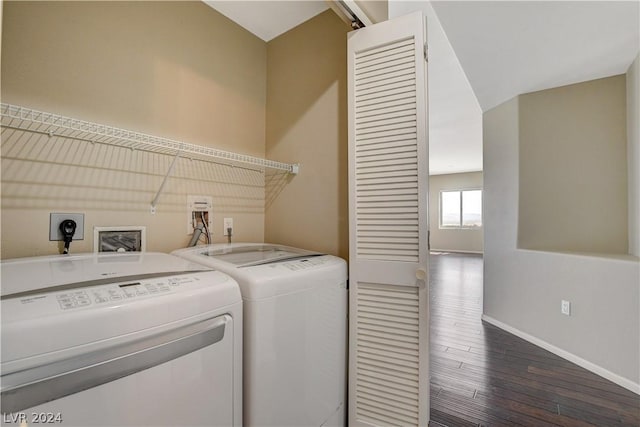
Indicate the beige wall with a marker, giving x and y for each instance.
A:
(307, 123)
(376, 10)
(459, 240)
(573, 168)
(173, 69)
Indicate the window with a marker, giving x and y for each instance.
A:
(461, 209)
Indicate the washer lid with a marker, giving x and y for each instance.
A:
(26, 275)
(54, 304)
(247, 256)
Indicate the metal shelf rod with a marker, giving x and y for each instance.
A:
(24, 118)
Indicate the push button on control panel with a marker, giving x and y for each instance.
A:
(114, 295)
(73, 300)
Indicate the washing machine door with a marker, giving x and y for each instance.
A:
(174, 376)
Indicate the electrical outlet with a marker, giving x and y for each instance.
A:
(565, 308)
(228, 224)
(54, 225)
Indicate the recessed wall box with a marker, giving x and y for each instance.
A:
(119, 239)
(197, 208)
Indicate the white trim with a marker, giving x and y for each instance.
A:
(457, 251)
(598, 370)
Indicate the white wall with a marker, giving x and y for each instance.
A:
(523, 288)
(447, 239)
(633, 154)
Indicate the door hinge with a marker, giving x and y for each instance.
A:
(426, 52)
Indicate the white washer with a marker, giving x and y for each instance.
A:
(295, 326)
(120, 340)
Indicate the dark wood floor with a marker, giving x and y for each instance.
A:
(481, 375)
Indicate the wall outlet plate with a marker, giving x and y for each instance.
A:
(565, 307)
(228, 224)
(54, 225)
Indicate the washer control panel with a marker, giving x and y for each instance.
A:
(114, 293)
(301, 264)
(128, 290)
(122, 292)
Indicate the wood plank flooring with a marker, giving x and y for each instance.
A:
(481, 375)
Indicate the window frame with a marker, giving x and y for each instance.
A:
(460, 226)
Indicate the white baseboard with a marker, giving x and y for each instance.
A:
(598, 370)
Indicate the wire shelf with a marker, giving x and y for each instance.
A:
(23, 118)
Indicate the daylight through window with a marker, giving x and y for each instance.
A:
(461, 209)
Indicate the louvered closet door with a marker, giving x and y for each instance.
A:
(388, 193)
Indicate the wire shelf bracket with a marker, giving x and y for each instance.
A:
(23, 118)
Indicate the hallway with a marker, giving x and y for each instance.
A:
(481, 375)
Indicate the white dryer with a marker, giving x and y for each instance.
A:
(295, 331)
(119, 340)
